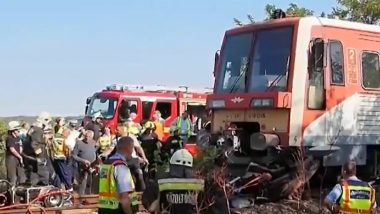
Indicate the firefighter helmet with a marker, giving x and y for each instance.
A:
(44, 118)
(149, 125)
(182, 157)
(97, 115)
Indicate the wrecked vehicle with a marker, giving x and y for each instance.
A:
(259, 169)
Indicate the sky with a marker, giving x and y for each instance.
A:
(54, 54)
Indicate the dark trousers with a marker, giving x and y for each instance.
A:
(15, 172)
(37, 174)
(63, 170)
(87, 182)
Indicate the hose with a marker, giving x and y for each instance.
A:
(32, 204)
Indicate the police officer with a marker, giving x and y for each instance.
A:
(177, 190)
(116, 186)
(352, 195)
(151, 145)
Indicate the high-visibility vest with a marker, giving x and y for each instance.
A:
(132, 128)
(108, 194)
(180, 193)
(159, 129)
(105, 142)
(179, 126)
(58, 146)
(357, 197)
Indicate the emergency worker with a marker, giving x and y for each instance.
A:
(183, 125)
(60, 125)
(36, 149)
(351, 195)
(14, 160)
(60, 154)
(177, 191)
(95, 125)
(151, 146)
(105, 141)
(173, 144)
(116, 186)
(133, 127)
(159, 123)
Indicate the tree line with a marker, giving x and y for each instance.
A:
(365, 11)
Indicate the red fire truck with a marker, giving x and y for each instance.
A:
(308, 81)
(144, 100)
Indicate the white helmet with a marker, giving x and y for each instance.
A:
(97, 115)
(44, 118)
(13, 125)
(182, 157)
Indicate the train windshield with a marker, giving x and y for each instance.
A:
(105, 105)
(256, 62)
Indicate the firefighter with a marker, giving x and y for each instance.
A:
(151, 145)
(96, 125)
(116, 187)
(105, 141)
(173, 144)
(183, 125)
(352, 195)
(35, 148)
(178, 190)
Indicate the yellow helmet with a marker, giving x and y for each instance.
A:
(149, 125)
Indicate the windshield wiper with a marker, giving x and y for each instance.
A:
(279, 77)
(236, 82)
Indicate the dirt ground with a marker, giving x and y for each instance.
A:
(286, 207)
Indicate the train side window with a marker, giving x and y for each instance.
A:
(336, 63)
(370, 70)
(165, 109)
(146, 110)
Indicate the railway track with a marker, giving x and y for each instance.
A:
(87, 204)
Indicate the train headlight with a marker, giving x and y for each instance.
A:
(217, 104)
(267, 102)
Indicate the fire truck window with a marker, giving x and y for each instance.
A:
(370, 70)
(165, 109)
(106, 106)
(147, 109)
(133, 106)
(336, 63)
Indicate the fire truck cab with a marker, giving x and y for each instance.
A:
(310, 81)
(117, 99)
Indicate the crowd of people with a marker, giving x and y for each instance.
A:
(68, 155)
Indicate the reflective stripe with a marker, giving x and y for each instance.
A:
(351, 204)
(180, 184)
(166, 129)
(108, 195)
